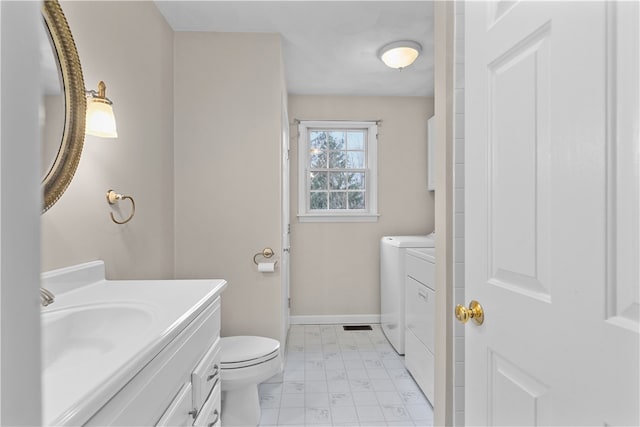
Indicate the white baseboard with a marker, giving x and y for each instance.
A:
(334, 319)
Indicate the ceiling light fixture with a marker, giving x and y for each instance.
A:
(399, 54)
(100, 119)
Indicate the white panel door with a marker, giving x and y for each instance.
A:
(552, 199)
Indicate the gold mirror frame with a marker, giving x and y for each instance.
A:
(61, 173)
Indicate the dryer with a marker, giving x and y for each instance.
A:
(392, 287)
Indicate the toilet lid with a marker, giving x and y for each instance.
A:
(236, 352)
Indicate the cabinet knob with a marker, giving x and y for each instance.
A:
(215, 373)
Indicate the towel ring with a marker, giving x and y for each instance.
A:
(113, 197)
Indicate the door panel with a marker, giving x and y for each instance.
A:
(552, 201)
(518, 398)
(518, 167)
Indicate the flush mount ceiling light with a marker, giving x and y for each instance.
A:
(100, 118)
(400, 54)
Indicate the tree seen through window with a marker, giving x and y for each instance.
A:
(337, 169)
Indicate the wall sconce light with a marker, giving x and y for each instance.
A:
(100, 118)
(399, 54)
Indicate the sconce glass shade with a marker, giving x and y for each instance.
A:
(100, 118)
(400, 54)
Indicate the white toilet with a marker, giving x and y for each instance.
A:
(245, 362)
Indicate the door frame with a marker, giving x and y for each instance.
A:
(444, 73)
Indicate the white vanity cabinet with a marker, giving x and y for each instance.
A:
(420, 317)
(179, 386)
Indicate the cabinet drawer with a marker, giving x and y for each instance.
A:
(421, 311)
(421, 270)
(206, 375)
(421, 364)
(180, 412)
(209, 416)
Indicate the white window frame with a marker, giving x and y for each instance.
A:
(370, 214)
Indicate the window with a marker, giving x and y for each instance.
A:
(337, 172)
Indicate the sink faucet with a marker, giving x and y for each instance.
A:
(46, 297)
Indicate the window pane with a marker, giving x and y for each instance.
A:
(337, 159)
(356, 181)
(318, 180)
(338, 200)
(318, 159)
(319, 200)
(355, 159)
(336, 140)
(355, 140)
(337, 181)
(356, 200)
(318, 139)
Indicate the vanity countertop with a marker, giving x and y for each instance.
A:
(99, 333)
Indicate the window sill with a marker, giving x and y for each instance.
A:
(360, 217)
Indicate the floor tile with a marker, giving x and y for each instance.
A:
(395, 413)
(341, 399)
(420, 412)
(364, 398)
(292, 400)
(293, 387)
(315, 375)
(336, 374)
(338, 386)
(334, 364)
(342, 378)
(378, 374)
(314, 400)
(320, 415)
(413, 397)
(357, 374)
(383, 385)
(352, 364)
(315, 387)
(389, 398)
(291, 416)
(361, 385)
(344, 414)
(370, 413)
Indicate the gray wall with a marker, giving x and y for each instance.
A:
(228, 106)
(335, 266)
(129, 45)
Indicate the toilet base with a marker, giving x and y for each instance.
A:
(241, 406)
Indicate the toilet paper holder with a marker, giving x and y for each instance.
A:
(266, 253)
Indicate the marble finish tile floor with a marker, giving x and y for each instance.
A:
(336, 378)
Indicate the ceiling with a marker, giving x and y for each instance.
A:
(329, 47)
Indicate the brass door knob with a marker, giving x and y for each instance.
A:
(474, 312)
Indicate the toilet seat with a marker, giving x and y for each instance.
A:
(245, 351)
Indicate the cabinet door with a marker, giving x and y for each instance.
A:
(206, 375)
(180, 412)
(209, 416)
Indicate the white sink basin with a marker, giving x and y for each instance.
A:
(98, 334)
(74, 335)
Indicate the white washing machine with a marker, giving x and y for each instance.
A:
(392, 289)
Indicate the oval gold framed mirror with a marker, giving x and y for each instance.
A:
(63, 166)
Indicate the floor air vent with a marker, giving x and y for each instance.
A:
(357, 327)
